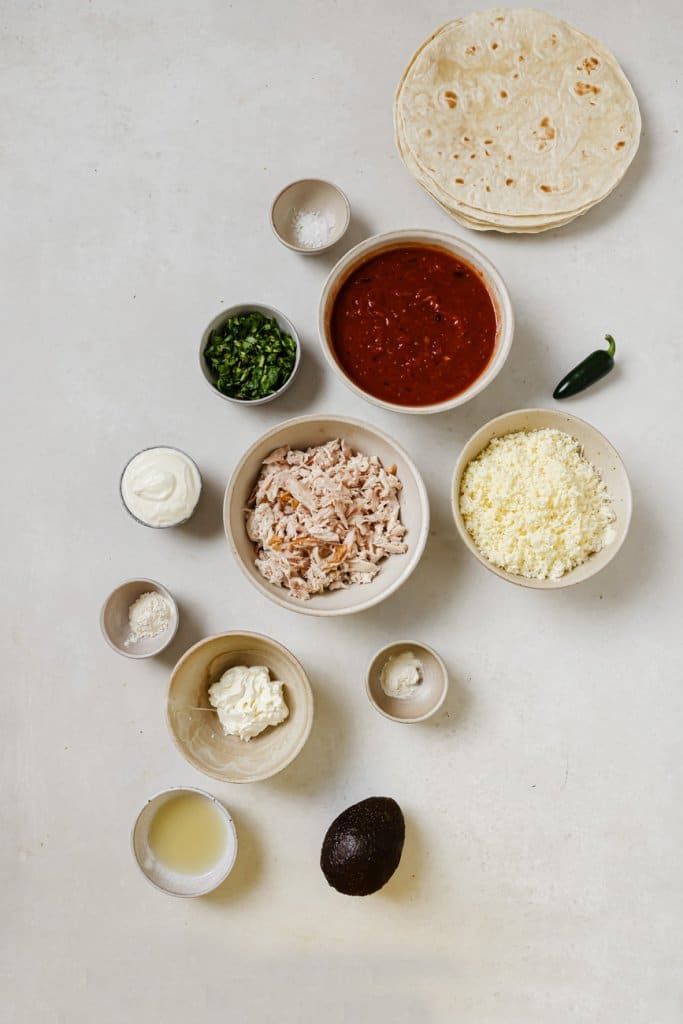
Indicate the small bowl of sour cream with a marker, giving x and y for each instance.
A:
(407, 682)
(310, 215)
(160, 487)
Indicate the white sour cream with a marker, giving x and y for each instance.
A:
(248, 701)
(161, 486)
(401, 675)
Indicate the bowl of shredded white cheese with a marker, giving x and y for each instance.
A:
(310, 215)
(541, 498)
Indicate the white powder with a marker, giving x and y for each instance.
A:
(312, 229)
(148, 617)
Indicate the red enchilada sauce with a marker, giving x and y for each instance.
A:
(413, 325)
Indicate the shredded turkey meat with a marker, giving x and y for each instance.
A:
(324, 518)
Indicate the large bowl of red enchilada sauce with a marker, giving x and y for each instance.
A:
(418, 326)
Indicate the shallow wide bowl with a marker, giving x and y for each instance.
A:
(598, 450)
(309, 195)
(164, 526)
(285, 325)
(430, 694)
(198, 735)
(305, 432)
(463, 251)
(114, 619)
(176, 883)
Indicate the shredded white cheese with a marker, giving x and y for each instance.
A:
(534, 505)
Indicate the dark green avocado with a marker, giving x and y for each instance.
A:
(363, 846)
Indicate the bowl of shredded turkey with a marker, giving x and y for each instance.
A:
(326, 516)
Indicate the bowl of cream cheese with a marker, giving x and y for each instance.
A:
(239, 707)
(407, 681)
(160, 487)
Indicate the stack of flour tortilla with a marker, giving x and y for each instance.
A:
(515, 121)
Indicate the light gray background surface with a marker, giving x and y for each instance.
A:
(142, 144)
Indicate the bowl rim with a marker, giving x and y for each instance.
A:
(495, 286)
(301, 249)
(235, 310)
(444, 672)
(308, 699)
(272, 592)
(230, 824)
(171, 632)
(165, 526)
(523, 581)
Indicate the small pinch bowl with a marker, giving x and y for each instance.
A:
(163, 526)
(199, 736)
(175, 883)
(597, 450)
(310, 431)
(309, 195)
(461, 250)
(114, 619)
(285, 325)
(430, 694)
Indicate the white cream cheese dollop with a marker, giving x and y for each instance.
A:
(401, 675)
(248, 701)
(161, 486)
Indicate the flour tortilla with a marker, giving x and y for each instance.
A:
(536, 118)
(493, 222)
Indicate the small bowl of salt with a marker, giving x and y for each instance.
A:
(139, 618)
(310, 216)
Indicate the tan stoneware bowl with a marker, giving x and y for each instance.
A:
(194, 725)
(114, 619)
(597, 449)
(309, 195)
(305, 432)
(462, 250)
(429, 695)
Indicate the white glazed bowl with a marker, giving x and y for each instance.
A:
(598, 450)
(462, 250)
(285, 325)
(173, 882)
(305, 432)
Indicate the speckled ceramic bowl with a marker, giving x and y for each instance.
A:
(114, 619)
(198, 734)
(429, 695)
(309, 195)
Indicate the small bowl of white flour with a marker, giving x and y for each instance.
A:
(139, 618)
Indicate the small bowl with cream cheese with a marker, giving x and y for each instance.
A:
(407, 681)
(160, 487)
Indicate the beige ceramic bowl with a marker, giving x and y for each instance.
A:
(306, 432)
(430, 694)
(598, 450)
(114, 619)
(310, 195)
(463, 251)
(177, 883)
(198, 734)
(285, 325)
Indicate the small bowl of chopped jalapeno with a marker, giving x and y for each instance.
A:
(249, 354)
